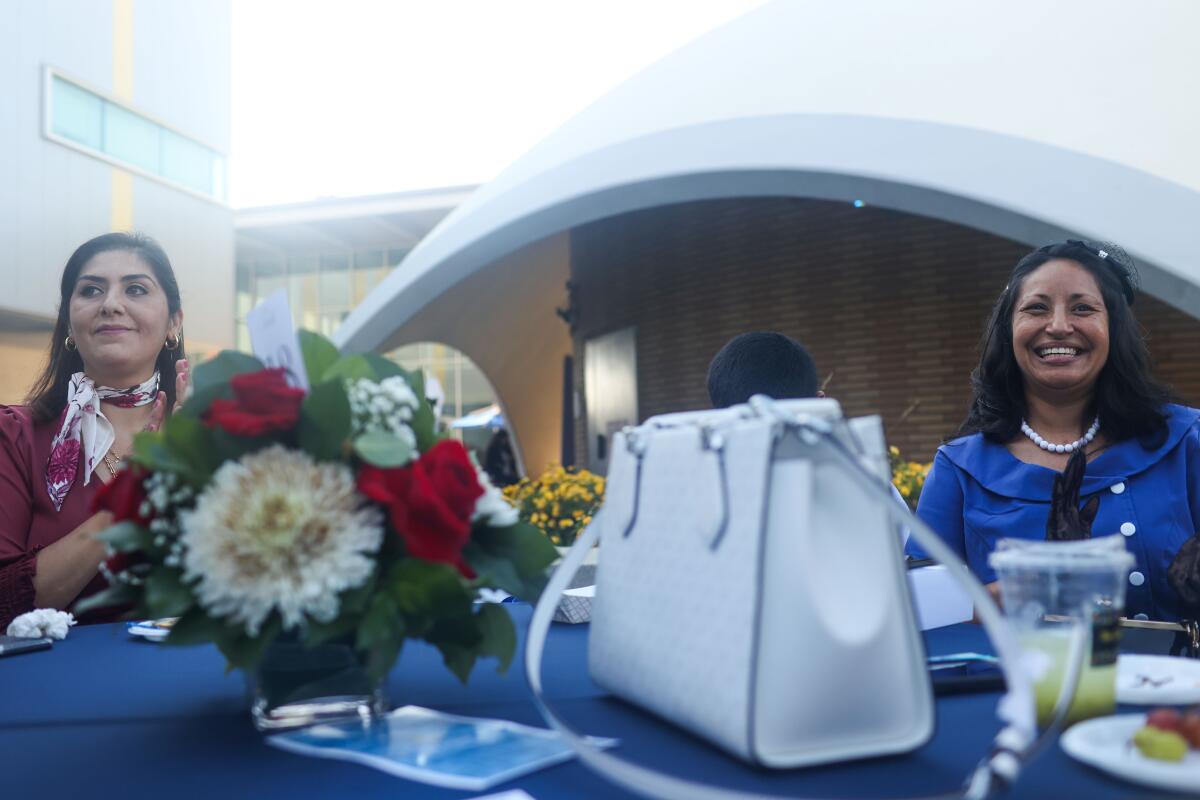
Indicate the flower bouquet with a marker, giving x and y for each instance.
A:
(907, 476)
(278, 523)
(561, 501)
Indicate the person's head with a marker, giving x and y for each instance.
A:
(1063, 329)
(119, 319)
(761, 362)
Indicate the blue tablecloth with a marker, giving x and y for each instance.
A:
(104, 715)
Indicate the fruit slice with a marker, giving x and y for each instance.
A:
(1189, 728)
(1159, 744)
(1165, 719)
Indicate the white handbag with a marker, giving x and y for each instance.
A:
(751, 589)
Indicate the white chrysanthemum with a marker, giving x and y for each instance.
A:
(492, 506)
(277, 530)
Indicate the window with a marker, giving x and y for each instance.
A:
(87, 120)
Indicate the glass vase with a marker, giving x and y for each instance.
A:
(295, 686)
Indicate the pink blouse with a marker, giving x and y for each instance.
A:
(28, 521)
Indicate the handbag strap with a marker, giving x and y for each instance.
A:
(1013, 746)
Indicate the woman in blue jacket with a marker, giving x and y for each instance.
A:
(1064, 367)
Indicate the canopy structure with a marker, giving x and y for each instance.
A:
(1034, 121)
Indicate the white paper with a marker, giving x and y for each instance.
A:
(940, 601)
(273, 338)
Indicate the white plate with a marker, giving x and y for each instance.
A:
(1105, 743)
(1158, 680)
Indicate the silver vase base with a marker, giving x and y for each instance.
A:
(317, 711)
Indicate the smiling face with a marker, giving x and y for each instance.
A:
(1060, 329)
(119, 318)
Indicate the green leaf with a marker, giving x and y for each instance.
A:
(201, 399)
(211, 379)
(197, 627)
(458, 659)
(166, 593)
(243, 652)
(115, 596)
(495, 570)
(229, 447)
(383, 449)
(352, 605)
(319, 355)
(381, 635)
(190, 441)
(126, 537)
(423, 424)
(151, 451)
(351, 368)
(522, 546)
(318, 633)
(459, 639)
(499, 635)
(325, 421)
(384, 367)
(428, 590)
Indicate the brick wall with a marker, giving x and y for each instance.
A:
(890, 304)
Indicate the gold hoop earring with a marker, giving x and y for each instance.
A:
(69, 344)
(172, 345)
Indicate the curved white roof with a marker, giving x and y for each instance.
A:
(1027, 119)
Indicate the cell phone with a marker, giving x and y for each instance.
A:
(11, 645)
(965, 672)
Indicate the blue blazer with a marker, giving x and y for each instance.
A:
(977, 493)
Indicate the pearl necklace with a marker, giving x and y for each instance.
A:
(1078, 444)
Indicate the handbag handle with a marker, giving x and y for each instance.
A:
(1015, 744)
(712, 440)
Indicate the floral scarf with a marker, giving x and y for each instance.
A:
(85, 428)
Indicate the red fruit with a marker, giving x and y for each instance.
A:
(1165, 719)
(1189, 728)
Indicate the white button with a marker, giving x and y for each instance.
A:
(1128, 528)
(1142, 617)
(1117, 488)
(1137, 578)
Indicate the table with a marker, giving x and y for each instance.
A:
(105, 715)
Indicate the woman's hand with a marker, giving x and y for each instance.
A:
(182, 387)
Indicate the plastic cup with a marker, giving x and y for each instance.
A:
(1049, 589)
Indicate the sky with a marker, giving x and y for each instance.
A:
(357, 97)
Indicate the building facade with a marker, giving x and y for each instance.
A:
(328, 255)
(114, 121)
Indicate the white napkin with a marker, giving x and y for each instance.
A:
(44, 622)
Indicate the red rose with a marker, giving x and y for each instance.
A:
(430, 502)
(263, 403)
(123, 496)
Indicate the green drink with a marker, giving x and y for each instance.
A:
(1050, 589)
(1095, 694)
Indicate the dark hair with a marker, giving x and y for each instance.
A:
(1127, 398)
(48, 397)
(761, 362)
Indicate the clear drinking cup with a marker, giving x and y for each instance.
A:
(1049, 589)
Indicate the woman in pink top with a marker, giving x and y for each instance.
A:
(117, 339)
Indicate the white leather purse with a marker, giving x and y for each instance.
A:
(751, 589)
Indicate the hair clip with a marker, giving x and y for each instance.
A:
(1102, 253)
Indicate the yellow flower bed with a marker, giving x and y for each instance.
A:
(907, 476)
(561, 501)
